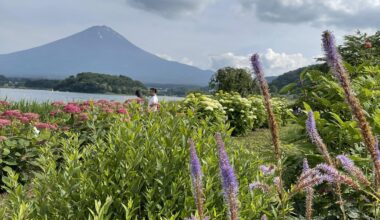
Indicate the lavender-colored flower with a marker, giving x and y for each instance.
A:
(264, 88)
(267, 170)
(311, 129)
(264, 217)
(196, 177)
(258, 185)
(350, 167)
(336, 176)
(311, 182)
(334, 60)
(229, 182)
(305, 165)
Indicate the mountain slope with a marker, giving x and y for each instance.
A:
(98, 49)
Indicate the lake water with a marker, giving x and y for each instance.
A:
(44, 95)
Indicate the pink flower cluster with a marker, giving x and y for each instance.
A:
(72, 108)
(46, 126)
(4, 122)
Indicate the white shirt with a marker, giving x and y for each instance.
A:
(153, 101)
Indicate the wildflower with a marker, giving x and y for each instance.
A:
(31, 116)
(196, 177)
(122, 111)
(350, 167)
(83, 116)
(336, 176)
(4, 103)
(264, 217)
(46, 126)
(267, 170)
(24, 120)
(309, 194)
(12, 113)
(36, 131)
(334, 60)
(258, 70)
(229, 182)
(71, 108)
(3, 138)
(258, 185)
(316, 138)
(4, 123)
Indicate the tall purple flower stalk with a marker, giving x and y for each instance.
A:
(334, 60)
(318, 141)
(196, 177)
(337, 176)
(309, 194)
(229, 182)
(273, 125)
(353, 170)
(311, 129)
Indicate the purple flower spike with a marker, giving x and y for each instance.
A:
(264, 217)
(229, 182)
(311, 129)
(258, 185)
(196, 177)
(305, 165)
(267, 170)
(353, 170)
(332, 55)
(336, 176)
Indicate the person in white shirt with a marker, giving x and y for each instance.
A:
(153, 102)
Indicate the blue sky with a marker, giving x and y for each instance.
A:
(205, 33)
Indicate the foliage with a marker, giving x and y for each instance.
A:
(134, 170)
(361, 48)
(204, 107)
(99, 83)
(238, 110)
(242, 114)
(230, 79)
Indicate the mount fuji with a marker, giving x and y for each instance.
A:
(98, 49)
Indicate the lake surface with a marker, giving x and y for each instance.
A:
(44, 96)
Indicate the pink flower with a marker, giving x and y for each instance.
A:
(4, 122)
(122, 111)
(24, 119)
(4, 103)
(58, 103)
(71, 108)
(31, 116)
(46, 126)
(3, 138)
(108, 110)
(12, 113)
(83, 116)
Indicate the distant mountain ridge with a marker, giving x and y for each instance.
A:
(98, 49)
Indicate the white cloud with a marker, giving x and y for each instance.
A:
(274, 63)
(183, 60)
(348, 13)
(171, 8)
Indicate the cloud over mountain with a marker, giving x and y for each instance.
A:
(171, 8)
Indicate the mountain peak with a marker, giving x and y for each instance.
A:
(98, 49)
(102, 32)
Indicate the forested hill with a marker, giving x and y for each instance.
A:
(99, 83)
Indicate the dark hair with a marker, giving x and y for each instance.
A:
(138, 93)
(154, 90)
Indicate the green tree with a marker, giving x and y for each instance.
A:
(230, 79)
(361, 48)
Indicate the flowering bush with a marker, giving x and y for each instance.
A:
(204, 107)
(238, 110)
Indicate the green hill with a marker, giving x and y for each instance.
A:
(99, 83)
